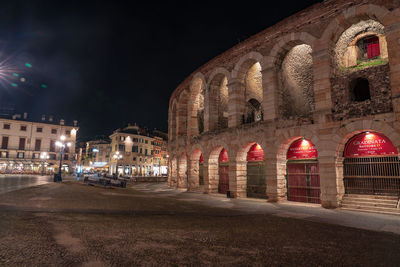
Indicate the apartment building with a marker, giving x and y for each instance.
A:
(29, 146)
(132, 152)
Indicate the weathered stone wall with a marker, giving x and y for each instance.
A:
(333, 119)
(296, 83)
(380, 91)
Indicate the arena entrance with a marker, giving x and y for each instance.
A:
(223, 171)
(371, 165)
(201, 170)
(256, 184)
(302, 179)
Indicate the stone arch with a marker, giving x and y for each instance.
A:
(173, 121)
(354, 15)
(248, 75)
(217, 99)
(286, 138)
(196, 105)
(213, 174)
(182, 171)
(352, 129)
(292, 60)
(182, 113)
(194, 168)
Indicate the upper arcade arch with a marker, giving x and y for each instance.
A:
(173, 121)
(196, 105)
(182, 116)
(248, 91)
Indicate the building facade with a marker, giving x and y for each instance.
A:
(96, 156)
(31, 146)
(307, 110)
(132, 152)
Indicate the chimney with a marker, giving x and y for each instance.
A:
(25, 115)
(43, 117)
(51, 118)
(62, 122)
(75, 123)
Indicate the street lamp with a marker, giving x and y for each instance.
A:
(117, 156)
(44, 156)
(62, 145)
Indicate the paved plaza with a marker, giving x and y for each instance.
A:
(73, 224)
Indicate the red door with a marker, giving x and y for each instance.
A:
(223, 184)
(303, 182)
(373, 49)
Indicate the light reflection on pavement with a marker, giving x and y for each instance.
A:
(14, 182)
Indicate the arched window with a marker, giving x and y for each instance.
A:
(359, 90)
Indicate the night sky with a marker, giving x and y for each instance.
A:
(106, 63)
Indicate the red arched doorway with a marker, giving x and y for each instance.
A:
(371, 165)
(256, 184)
(303, 183)
(223, 171)
(201, 170)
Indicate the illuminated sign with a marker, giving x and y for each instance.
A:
(99, 164)
(302, 149)
(223, 156)
(256, 153)
(369, 144)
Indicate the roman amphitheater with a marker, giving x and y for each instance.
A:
(307, 110)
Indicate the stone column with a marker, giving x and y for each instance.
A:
(193, 172)
(238, 178)
(207, 111)
(393, 46)
(322, 84)
(206, 177)
(270, 93)
(212, 177)
(182, 175)
(328, 181)
(236, 102)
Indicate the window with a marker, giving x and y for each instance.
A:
(38, 143)
(6, 126)
(121, 148)
(135, 140)
(146, 141)
(359, 90)
(145, 151)
(54, 131)
(140, 159)
(39, 129)
(52, 146)
(68, 133)
(65, 156)
(52, 156)
(4, 154)
(369, 47)
(23, 128)
(134, 158)
(66, 149)
(141, 151)
(21, 144)
(135, 149)
(122, 138)
(36, 155)
(4, 142)
(20, 155)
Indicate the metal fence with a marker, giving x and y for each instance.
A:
(372, 175)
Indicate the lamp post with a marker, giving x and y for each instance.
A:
(117, 156)
(62, 145)
(44, 156)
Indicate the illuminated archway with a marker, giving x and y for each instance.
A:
(256, 176)
(303, 181)
(371, 165)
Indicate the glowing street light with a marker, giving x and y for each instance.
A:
(117, 156)
(44, 156)
(62, 145)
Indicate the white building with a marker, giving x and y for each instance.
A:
(30, 146)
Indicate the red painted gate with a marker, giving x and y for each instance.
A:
(303, 182)
(223, 171)
(201, 170)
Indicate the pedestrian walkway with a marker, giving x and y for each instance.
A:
(310, 212)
